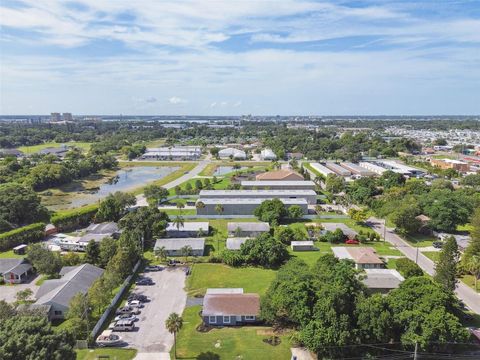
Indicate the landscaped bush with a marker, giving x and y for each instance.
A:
(73, 219)
(23, 235)
(408, 268)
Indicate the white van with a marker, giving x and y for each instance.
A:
(124, 325)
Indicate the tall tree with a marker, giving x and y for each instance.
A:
(92, 252)
(155, 194)
(173, 324)
(446, 265)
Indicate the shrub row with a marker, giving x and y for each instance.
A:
(24, 235)
(75, 218)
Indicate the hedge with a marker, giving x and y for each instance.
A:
(24, 235)
(73, 219)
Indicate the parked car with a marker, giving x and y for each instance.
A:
(124, 325)
(352, 242)
(138, 297)
(437, 244)
(126, 317)
(128, 310)
(144, 281)
(135, 304)
(153, 268)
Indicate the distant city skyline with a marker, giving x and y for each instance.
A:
(240, 57)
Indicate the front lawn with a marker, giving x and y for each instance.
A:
(10, 255)
(244, 342)
(117, 354)
(36, 148)
(251, 279)
(470, 281)
(432, 255)
(419, 240)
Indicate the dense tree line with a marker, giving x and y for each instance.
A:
(335, 314)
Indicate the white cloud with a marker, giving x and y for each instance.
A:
(175, 100)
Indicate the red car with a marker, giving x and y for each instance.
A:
(352, 242)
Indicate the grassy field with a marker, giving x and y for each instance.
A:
(470, 281)
(114, 354)
(156, 143)
(10, 255)
(432, 255)
(219, 185)
(227, 343)
(466, 227)
(251, 279)
(35, 148)
(419, 240)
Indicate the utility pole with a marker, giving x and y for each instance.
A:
(416, 256)
(384, 229)
(415, 354)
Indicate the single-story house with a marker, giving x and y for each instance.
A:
(15, 270)
(382, 280)
(187, 229)
(349, 232)
(58, 292)
(363, 257)
(105, 228)
(56, 151)
(234, 243)
(278, 185)
(247, 229)
(303, 246)
(85, 239)
(230, 308)
(20, 249)
(309, 195)
(279, 175)
(462, 240)
(173, 246)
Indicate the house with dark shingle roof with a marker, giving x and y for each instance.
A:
(58, 292)
(15, 270)
(230, 308)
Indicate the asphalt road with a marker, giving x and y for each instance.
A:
(141, 201)
(465, 293)
(167, 296)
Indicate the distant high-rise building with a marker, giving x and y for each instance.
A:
(67, 117)
(54, 117)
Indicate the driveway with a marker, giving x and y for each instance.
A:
(465, 293)
(346, 230)
(167, 296)
(8, 292)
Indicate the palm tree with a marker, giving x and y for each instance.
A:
(161, 252)
(200, 205)
(186, 251)
(180, 206)
(178, 222)
(219, 209)
(473, 267)
(173, 324)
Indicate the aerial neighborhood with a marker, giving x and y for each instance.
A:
(190, 248)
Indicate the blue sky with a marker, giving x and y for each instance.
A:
(240, 57)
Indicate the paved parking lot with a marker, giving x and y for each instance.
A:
(8, 292)
(167, 296)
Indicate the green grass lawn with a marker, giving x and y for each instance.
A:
(244, 342)
(115, 354)
(156, 143)
(10, 255)
(466, 227)
(35, 148)
(175, 212)
(419, 240)
(470, 281)
(221, 184)
(432, 255)
(251, 279)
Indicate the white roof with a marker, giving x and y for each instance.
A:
(321, 169)
(178, 243)
(302, 243)
(285, 201)
(224, 291)
(232, 152)
(266, 183)
(268, 153)
(235, 242)
(189, 226)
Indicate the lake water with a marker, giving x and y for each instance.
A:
(222, 170)
(125, 180)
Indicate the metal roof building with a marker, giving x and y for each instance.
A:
(372, 167)
(321, 169)
(268, 154)
(356, 169)
(234, 153)
(309, 195)
(241, 206)
(278, 185)
(235, 242)
(173, 246)
(337, 169)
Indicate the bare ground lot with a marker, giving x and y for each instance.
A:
(167, 296)
(8, 292)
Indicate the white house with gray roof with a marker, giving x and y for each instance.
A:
(173, 246)
(187, 229)
(247, 229)
(235, 243)
(15, 270)
(241, 206)
(58, 292)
